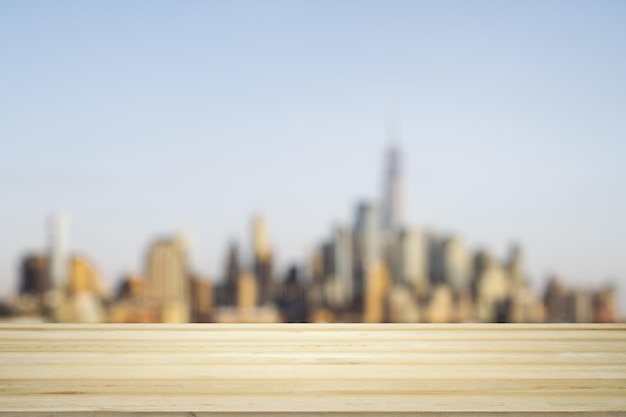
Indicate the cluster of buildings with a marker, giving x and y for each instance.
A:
(376, 269)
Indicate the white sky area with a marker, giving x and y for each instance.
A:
(140, 119)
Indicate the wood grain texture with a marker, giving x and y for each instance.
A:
(286, 369)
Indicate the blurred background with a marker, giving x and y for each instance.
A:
(377, 161)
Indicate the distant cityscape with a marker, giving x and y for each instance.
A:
(378, 269)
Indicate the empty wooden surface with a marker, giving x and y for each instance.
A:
(450, 370)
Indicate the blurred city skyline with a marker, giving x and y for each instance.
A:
(144, 119)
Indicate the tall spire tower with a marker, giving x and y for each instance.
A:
(392, 204)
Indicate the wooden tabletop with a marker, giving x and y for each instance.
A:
(389, 369)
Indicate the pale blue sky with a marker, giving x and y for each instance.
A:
(142, 118)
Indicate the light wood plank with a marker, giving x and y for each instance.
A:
(339, 369)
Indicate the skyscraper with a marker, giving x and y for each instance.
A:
(367, 234)
(370, 267)
(492, 290)
(247, 292)
(83, 295)
(168, 280)
(34, 283)
(410, 262)
(262, 260)
(59, 259)
(226, 293)
(457, 265)
(292, 301)
(343, 276)
(377, 285)
(85, 291)
(392, 204)
(35, 277)
(260, 238)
